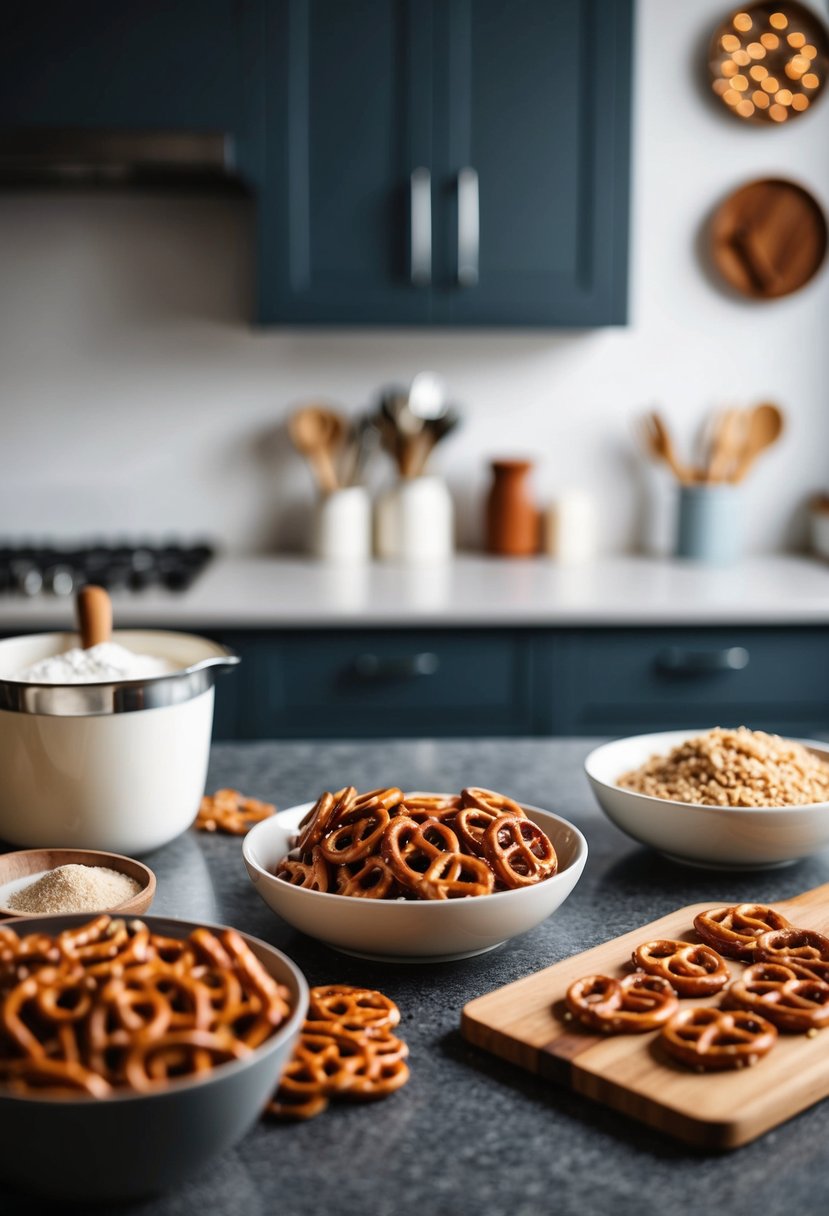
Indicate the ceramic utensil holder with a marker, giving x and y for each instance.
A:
(342, 526)
(414, 522)
(709, 527)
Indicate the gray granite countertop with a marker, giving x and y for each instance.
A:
(470, 1133)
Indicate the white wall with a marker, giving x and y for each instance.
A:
(134, 396)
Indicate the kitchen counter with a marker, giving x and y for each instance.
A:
(473, 590)
(469, 1133)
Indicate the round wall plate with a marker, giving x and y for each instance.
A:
(768, 62)
(769, 238)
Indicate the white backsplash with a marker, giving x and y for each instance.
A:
(136, 397)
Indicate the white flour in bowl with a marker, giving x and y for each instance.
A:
(106, 661)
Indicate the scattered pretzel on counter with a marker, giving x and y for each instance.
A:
(387, 845)
(734, 931)
(635, 1004)
(110, 1006)
(690, 968)
(231, 812)
(712, 1040)
(346, 1049)
(787, 996)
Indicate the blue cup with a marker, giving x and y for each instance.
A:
(710, 523)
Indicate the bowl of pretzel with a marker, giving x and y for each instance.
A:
(134, 1052)
(414, 877)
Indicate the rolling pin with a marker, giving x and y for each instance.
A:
(94, 608)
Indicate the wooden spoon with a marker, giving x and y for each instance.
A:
(661, 446)
(318, 433)
(764, 426)
(94, 608)
(727, 444)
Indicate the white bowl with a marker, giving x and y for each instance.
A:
(733, 838)
(412, 931)
(118, 765)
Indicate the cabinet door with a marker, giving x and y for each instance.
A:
(349, 104)
(184, 64)
(534, 162)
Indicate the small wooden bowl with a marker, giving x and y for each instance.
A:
(35, 861)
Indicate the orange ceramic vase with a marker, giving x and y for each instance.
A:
(512, 518)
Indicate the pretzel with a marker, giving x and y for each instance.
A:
(633, 1005)
(711, 1040)
(733, 931)
(231, 812)
(312, 874)
(802, 948)
(357, 835)
(370, 878)
(386, 845)
(494, 804)
(346, 1050)
(518, 851)
(779, 993)
(413, 853)
(691, 969)
(124, 1008)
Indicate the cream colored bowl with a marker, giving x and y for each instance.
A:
(411, 931)
(117, 765)
(732, 838)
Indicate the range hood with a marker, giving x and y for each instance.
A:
(112, 158)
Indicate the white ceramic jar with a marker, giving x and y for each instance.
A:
(116, 765)
(414, 522)
(342, 526)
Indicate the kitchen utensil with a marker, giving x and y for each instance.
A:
(512, 518)
(94, 608)
(764, 426)
(20, 868)
(726, 442)
(412, 424)
(410, 931)
(768, 62)
(144, 1142)
(709, 523)
(523, 1023)
(769, 238)
(414, 522)
(734, 838)
(663, 446)
(85, 766)
(362, 443)
(318, 433)
(427, 396)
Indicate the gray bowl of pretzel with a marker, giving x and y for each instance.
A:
(133, 1052)
(414, 877)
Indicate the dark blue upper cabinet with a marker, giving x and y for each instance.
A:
(349, 124)
(459, 162)
(534, 162)
(135, 65)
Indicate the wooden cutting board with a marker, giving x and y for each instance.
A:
(522, 1023)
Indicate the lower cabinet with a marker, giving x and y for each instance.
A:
(355, 683)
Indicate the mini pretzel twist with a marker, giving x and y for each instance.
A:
(312, 874)
(408, 848)
(795, 947)
(690, 968)
(635, 1004)
(491, 802)
(733, 931)
(792, 1003)
(231, 812)
(519, 853)
(357, 835)
(370, 878)
(710, 1040)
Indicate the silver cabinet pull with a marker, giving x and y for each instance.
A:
(676, 660)
(468, 228)
(421, 227)
(374, 668)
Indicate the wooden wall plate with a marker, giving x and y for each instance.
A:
(768, 63)
(768, 239)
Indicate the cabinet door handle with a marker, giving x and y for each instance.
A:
(372, 668)
(420, 206)
(676, 660)
(469, 230)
